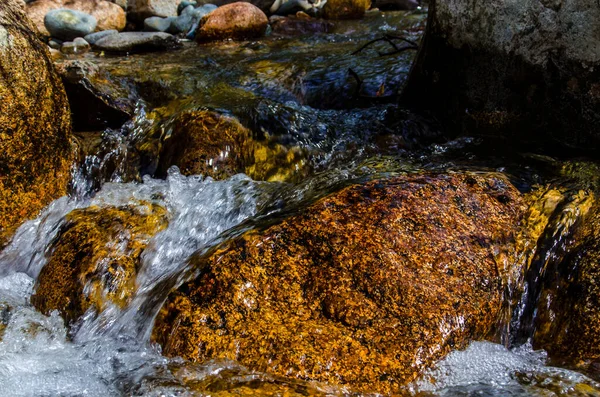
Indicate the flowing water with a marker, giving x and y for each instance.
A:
(110, 353)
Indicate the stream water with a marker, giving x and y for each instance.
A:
(110, 353)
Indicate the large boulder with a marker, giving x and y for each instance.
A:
(35, 124)
(109, 15)
(95, 258)
(236, 21)
(526, 70)
(365, 288)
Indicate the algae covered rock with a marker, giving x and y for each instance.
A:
(568, 315)
(365, 288)
(206, 142)
(345, 9)
(95, 258)
(35, 125)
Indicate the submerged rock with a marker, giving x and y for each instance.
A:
(206, 142)
(345, 9)
(77, 46)
(35, 124)
(132, 42)
(95, 258)
(236, 21)
(365, 288)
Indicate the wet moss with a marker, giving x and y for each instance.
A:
(95, 258)
(35, 129)
(365, 289)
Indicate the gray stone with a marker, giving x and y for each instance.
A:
(130, 42)
(157, 24)
(183, 23)
(197, 15)
(55, 43)
(94, 37)
(184, 4)
(77, 46)
(67, 24)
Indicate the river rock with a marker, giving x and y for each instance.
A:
(236, 21)
(345, 9)
(157, 24)
(95, 258)
(287, 7)
(108, 15)
(92, 38)
(567, 325)
(130, 42)
(205, 142)
(77, 46)
(365, 288)
(35, 124)
(142, 9)
(295, 26)
(67, 24)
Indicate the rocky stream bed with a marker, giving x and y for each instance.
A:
(270, 217)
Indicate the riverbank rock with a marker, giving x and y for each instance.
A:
(65, 24)
(108, 15)
(139, 10)
(345, 9)
(95, 258)
(135, 42)
(238, 21)
(365, 288)
(541, 59)
(35, 124)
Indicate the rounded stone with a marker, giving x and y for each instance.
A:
(130, 42)
(238, 21)
(68, 24)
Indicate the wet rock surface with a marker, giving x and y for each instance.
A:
(35, 129)
(132, 42)
(95, 258)
(365, 288)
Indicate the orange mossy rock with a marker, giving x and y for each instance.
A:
(95, 258)
(237, 21)
(366, 288)
(35, 123)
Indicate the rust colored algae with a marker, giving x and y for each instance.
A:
(365, 289)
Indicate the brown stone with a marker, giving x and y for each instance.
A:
(366, 288)
(109, 15)
(568, 314)
(35, 129)
(345, 9)
(205, 142)
(236, 21)
(95, 258)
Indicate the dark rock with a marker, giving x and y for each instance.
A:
(366, 288)
(294, 26)
(184, 4)
(35, 124)
(345, 9)
(541, 63)
(131, 42)
(390, 5)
